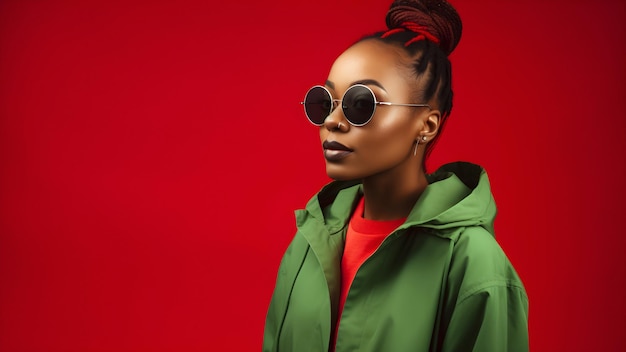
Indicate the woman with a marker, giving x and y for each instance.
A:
(387, 257)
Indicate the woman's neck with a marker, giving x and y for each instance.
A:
(392, 195)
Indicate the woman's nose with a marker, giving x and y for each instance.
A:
(336, 119)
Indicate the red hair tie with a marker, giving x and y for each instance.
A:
(421, 31)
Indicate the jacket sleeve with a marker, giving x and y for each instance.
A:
(287, 272)
(492, 318)
(487, 305)
(270, 332)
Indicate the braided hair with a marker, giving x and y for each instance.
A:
(428, 30)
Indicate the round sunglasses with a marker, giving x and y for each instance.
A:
(358, 104)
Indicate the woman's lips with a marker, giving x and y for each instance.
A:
(334, 151)
(335, 155)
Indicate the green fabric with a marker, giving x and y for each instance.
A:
(439, 282)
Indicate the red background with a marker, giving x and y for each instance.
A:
(152, 153)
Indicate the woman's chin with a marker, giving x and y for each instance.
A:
(339, 174)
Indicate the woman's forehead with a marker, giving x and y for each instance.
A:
(370, 60)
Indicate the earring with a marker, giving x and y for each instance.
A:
(417, 142)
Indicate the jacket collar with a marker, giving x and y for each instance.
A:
(458, 194)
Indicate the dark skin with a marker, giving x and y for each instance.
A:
(383, 150)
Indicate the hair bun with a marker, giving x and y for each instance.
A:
(438, 16)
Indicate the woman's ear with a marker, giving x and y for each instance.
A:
(430, 126)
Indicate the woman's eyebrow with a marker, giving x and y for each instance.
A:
(372, 82)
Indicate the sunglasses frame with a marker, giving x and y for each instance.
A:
(333, 101)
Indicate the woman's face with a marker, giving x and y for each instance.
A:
(386, 143)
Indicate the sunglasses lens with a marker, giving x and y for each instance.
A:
(358, 105)
(317, 105)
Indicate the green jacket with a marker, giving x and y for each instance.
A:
(439, 282)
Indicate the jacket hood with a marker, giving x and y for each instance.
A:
(458, 195)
